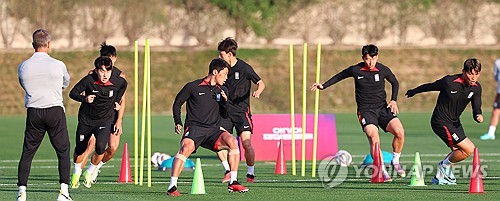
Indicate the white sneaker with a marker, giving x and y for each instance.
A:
(94, 176)
(445, 172)
(21, 196)
(63, 197)
(487, 136)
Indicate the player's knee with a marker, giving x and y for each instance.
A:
(112, 149)
(186, 149)
(399, 133)
(232, 143)
(246, 144)
(100, 148)
(469, 150)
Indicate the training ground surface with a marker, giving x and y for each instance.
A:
(43, 182)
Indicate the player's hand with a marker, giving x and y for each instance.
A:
(256, 94)
(316, 86)
(223, 94)
(117, 106)
(394, 107)
(90, 98)
(118, 129)
(409, 93)
(479, 118)
(178, 129)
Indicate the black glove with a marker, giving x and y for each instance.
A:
(410, 93)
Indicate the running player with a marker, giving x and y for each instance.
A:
(239, 83)
(373, 111)
(103, 93)
(117, 131)
(455, 93)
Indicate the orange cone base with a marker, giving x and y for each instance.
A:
(125, 174)
(377, 172)
(280, 167)
(476, 178)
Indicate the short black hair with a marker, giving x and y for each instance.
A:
(228, 45)
(370, 49)
(103, 61)
(471, 65)
(107, 50)
(218, 64)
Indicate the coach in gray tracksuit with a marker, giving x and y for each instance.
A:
(43, 78)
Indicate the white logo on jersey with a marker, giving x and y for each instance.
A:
(236, 75)
(82, 137)
(94, 91)
(186, 134)
(360, 77)
(246, 126)
(470, 94)
(201, 93)
(453, 92)
(111, 93)
(363, 121)
(377, 78)
(101, 127)
(455, 136)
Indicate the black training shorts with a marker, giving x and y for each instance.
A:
(379, 117)
(205, 137)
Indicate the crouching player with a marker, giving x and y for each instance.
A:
(206, 104)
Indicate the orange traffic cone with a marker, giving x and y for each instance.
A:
(280, 161)
(476, 177)
(125, 175)
(377, 172)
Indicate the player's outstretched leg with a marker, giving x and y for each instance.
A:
(245, 137)
(227, 141)
(187, 147)
(396, 128)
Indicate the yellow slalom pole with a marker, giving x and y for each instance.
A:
(149, 109)
(316, 108)
(143, 119)
(292, 111)
(304, 90)
(136, 112)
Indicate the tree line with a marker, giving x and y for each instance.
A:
(89, 22)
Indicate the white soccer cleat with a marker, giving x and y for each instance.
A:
(487, 136)
(21, 196)
(94, 176)
(63, 197)
(87, 179)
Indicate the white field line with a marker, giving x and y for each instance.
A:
(354, 156)
(187, 182)
(265, 164)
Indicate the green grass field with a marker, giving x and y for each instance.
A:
(43, 183)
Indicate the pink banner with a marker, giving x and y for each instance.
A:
(270, 128)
